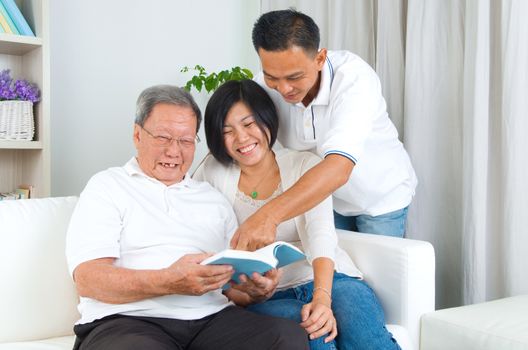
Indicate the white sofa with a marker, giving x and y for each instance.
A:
(38, 299)
(500, 324)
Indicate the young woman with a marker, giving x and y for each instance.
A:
(324, 293)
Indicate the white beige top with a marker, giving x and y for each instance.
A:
(314, 229)
(294, 274)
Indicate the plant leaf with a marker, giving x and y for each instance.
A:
(248, 73)
(211, 82)
(197, 83)
(201, 79)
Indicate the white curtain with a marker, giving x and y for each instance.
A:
(455, 76)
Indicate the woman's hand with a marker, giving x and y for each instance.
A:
(318, 318)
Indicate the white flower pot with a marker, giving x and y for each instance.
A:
(16, 120)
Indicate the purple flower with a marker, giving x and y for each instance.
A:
(21, 89)
(26, 91)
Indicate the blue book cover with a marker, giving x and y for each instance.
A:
(12, 28)
(275, 255)
(16, 16)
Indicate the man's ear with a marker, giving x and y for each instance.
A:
(320, 58)
(135, 135)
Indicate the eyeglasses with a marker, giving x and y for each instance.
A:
(166, 141)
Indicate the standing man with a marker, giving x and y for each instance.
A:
(329, 102)
(136, 240)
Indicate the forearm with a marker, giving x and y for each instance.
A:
(101, 280)
(323, 275)
(317, 316)
(312, 188)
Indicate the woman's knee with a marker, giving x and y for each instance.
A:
(289, 309)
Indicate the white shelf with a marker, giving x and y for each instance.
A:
(4, 144)
(28, 162)
(18, 45)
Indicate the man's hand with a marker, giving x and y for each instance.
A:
(257, 231)
(259, 288)
(187, 276)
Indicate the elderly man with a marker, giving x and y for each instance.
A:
(136, 240)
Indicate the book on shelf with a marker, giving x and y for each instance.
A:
(275, 255)
(22, 192)
(4, 196)
(4, 25)
(9, 25)
(17, 17)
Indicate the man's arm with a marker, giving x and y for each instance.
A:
(312, 188)
(100, 279)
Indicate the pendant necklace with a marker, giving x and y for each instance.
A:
(254, 192)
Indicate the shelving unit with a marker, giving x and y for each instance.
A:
(28, 162)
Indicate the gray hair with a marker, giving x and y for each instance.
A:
(164, 94)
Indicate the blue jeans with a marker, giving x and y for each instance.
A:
(390, 224)
(359, 316)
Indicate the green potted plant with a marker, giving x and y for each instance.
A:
(211, 81)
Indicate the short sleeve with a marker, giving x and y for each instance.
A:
(95, 226)
(356, 102)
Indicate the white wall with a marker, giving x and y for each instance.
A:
(104, 53)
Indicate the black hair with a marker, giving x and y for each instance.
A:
(280, 30)
(228, 94)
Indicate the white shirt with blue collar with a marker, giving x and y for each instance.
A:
(144, 224)
(349, 117)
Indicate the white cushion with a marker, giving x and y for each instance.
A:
(37, 297)
(61, 343)
(495, 325)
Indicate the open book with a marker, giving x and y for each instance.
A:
(277, 254)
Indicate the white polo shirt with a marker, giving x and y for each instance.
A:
(349, 117)
(124, 214)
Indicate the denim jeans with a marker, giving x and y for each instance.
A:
(359, 316)
(390, 224)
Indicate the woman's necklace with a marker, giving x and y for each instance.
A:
(254, 193)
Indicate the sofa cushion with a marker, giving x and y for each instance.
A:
(61, 343)
(37, 297)
(494, 325)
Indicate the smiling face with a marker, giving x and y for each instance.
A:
(244, 140)
(293, 73)
(168, 164)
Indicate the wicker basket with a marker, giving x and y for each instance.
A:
(16, 120)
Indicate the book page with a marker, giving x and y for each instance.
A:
(284, 252)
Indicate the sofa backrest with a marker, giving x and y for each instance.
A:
(37, 296)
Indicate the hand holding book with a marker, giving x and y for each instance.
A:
(275, 255)
(255, 288)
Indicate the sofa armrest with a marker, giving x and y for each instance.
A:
(400, 271)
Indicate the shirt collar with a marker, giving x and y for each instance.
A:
(132, 168)
(323, 96)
